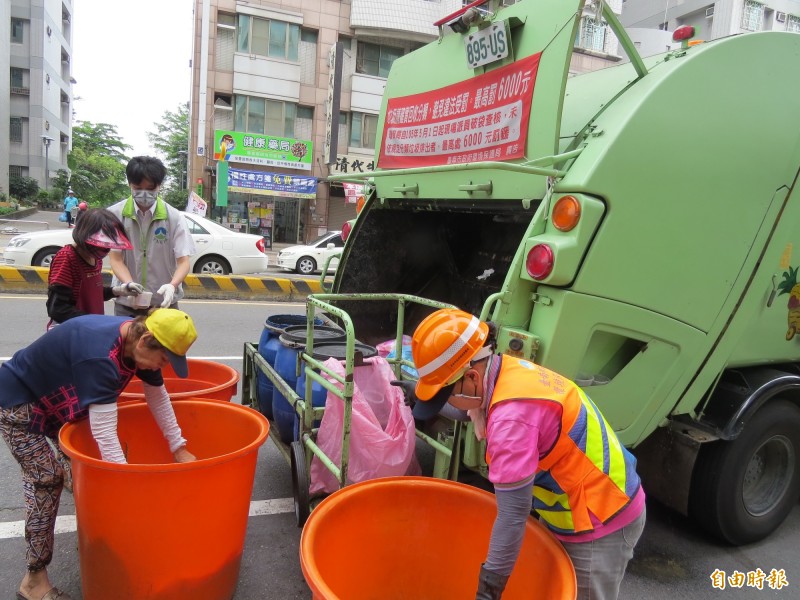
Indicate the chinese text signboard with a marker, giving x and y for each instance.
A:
(255, 149)
(271, 184)
(196, 205)
(352, 191)
(351, 164)
(483, 118)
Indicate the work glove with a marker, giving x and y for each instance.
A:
(408, 388)
(168, 292)
(490, 585)
(127, 289)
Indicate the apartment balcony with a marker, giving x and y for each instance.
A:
(399, 19)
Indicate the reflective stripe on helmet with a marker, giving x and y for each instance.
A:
(454, 348)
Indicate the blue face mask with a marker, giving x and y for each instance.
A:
(145, 198)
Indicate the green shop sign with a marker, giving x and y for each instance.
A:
(256, 149)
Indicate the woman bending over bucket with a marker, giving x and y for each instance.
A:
(74, 370)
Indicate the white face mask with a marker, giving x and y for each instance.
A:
(145, 198)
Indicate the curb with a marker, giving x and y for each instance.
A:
(33, 280)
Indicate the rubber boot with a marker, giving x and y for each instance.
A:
(490, 585)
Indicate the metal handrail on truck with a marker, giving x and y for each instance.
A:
(316, 371)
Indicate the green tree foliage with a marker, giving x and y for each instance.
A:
(98, 162)
(171, 140)
(23, 188)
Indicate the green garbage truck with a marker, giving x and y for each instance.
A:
(632, 228)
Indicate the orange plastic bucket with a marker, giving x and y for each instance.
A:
(420, 538)
(206, 379)
(157, 530)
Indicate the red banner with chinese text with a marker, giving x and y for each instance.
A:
(483, 118)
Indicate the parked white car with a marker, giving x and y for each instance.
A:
(220, 251)
(308, 258)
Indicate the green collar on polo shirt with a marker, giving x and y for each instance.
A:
(159, 214)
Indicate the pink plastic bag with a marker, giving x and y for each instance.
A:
(382, 436)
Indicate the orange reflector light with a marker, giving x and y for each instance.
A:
(695, 42)
(566, 213)
(360, 201)
(539, 263)
(683, 33)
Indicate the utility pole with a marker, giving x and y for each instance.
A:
(184, 159)
(46, 141)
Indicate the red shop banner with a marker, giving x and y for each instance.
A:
(483, 118)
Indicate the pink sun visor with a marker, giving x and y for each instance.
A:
(101, 240)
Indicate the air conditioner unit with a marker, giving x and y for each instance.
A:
(710, 11)
(780, 17)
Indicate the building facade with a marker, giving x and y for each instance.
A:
(644, 19)
(287, 92)
(38, 126)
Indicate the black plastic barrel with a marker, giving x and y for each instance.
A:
(292, 341)
(268, 345)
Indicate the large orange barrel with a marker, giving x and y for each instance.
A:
(157, 530)
(420, 538)
(207, 379)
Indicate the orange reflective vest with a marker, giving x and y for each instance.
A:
(587, 469)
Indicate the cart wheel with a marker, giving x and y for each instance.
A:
(300, 483)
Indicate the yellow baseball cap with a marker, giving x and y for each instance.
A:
(174, 330)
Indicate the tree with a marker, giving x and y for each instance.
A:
(98, 162)
(171, 140)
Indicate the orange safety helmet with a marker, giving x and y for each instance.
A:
(443, 344)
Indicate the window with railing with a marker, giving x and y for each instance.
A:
(15, 130)
(19, 81)
(363, 128)
(752, 16)
(792, 23)
(268, 37)
(17, 31)
(375, 59)
(226, 42)
(592, 35)
(272, 117)
(16, 171)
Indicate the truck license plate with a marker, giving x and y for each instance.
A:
(486, 45)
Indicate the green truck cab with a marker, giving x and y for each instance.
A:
(632, 228)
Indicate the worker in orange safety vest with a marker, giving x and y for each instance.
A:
(546, 439)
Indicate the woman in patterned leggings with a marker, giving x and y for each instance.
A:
(73, 371)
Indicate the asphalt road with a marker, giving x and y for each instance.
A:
(673, 559)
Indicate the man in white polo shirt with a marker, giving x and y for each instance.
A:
(160, 237)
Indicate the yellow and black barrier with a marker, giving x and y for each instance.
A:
(33, 280)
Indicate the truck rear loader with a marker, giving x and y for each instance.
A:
(631, 228)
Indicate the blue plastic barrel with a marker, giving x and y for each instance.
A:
(319, 394)
(292, 341)
(268, 345)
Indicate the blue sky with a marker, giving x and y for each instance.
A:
(131, 64)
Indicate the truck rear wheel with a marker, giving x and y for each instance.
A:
(743, 490)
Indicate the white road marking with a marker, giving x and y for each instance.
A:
(68, 524)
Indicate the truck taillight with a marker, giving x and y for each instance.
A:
(566, 213)
(540, 260)
(262, 247)
(683, 33)
(346, 229)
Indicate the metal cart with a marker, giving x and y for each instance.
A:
(300, 452)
